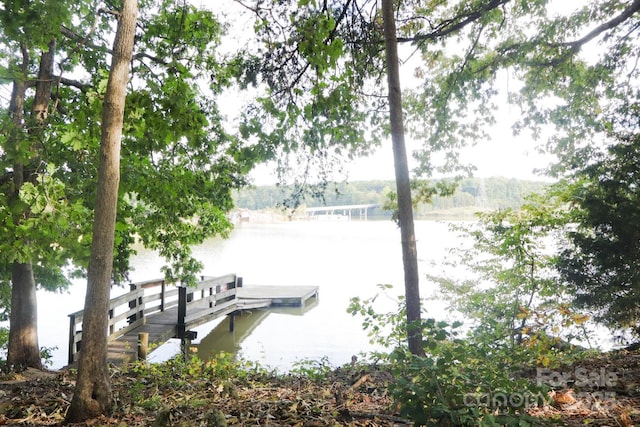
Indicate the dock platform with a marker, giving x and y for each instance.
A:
(279, 296)
(170, 313)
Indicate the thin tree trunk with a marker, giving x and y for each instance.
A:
(403, 184)
(92, 395)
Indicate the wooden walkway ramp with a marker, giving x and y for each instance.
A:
(165, 312)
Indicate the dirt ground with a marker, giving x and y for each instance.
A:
(600, 391)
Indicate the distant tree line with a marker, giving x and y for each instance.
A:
(478, 193)
(487, 194)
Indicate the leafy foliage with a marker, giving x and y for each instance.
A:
(422, 192)
(516, 290)
(179, 392)
(324, 105)
(578, 73)
(465, 378)
(179, 164)
(571, 67)
(600, 258)
(517, 317)
(315, 370)
(40, 223)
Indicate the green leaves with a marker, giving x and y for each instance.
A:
(33, 22)
(36, 201)
(598, 260)
(44, 228)
(317, 44)
(513, 261)
(179, 164)
(312, 113)
(469, 375)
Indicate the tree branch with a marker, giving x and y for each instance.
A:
(572, 47)
(74, 83)
(155, 59)
(612, 23)
(255, 9)
(452, 25)
(83, 40)
(328, 39)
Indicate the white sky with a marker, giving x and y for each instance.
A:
(508, 156)
(504, 155)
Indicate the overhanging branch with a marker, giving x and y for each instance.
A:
(450, 26)
(74, 83)
(84, 41)
(612, 23)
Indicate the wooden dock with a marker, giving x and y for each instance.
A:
(278, 296)
(165, 312)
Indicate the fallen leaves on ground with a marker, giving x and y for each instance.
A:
(599, 391)
(175, 394)
(147, 395)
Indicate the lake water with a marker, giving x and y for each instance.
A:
(343, 258)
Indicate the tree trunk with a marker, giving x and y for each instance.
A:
(403, 184)
(92, 395)
(23, 349)
(43, 88)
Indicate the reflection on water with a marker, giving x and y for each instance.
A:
(223, 339)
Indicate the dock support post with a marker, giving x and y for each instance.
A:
(112, 327)
(232, 322)
(72, 339)
(132, 304)
(185, 343)
(143, 345)
(135, 303)
(182, 311)
(181, 328)
(163, 290)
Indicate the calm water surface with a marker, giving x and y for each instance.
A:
(343, 258)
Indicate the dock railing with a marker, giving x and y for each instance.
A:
(131, 310)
